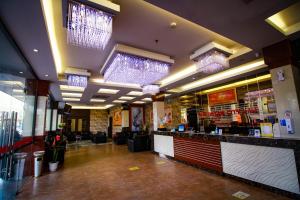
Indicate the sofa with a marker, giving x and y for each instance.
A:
(120, 138)
(138, 143)
(99, 137)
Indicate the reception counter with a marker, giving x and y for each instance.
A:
(271, 162)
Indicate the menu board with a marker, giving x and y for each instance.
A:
(223, 97)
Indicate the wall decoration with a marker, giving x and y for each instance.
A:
(168, 115)
(117, 118)
(137, 116)
(223, 97)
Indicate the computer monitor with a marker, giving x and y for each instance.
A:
(181, 128)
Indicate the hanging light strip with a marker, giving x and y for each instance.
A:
(88, 27)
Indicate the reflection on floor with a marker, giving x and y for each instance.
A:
(111, 172)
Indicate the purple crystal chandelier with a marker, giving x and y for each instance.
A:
(126, 68)
(88, 27)
(212, 62)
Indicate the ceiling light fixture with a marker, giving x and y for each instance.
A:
(147, 99)
(139, 102)
(119, 101)
(47, 7)
(70, 94)
(71, 99)
(71, 88)
(46, 75)
(107, 91)
(135, 93)
(74, 106)
(126, 98)
(248, 67)
(97, 100)
(127, 64)
(20, 72)
(88, 27)
(35, 50)
(211, 58)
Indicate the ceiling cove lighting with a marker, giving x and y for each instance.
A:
(135, 93)
(238, 84)
(190, 70)
(87, 26)
(126, 98)
(127, 64)
(47, 7)
(71, 88)
(70, 94)
(211, 58)
(119, 101)
(248, 67)
(107, 91)
(71, 99)
(287, 21)
(97, 100)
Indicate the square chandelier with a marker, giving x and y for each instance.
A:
(87, 26)
(211, 58)
(135, 66)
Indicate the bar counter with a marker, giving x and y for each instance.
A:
(271, 162)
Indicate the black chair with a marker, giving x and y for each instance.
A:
(139, 143)
(99, 137)
(86, 135)
(120, 138)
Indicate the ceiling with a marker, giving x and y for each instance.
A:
(139, 24)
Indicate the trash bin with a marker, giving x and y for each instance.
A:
(19, 165)
(38, 162)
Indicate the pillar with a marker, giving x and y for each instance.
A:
(286, 85)
(158, 110)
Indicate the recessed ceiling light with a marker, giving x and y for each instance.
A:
(173, 24)
(46, 75)
(18, 91)
(119, 101)
(107, 91)
(35, 50)
(194, 78)
(126, 98)
(70, 94)
(146, 99)
(21, 72)
(71, 88)
(135, 93)
(71, 99)
(139, 102)
(97, 100)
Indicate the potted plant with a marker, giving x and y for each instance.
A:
(53, 164)
(56, 148)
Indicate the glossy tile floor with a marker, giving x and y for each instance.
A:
(102, 172)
